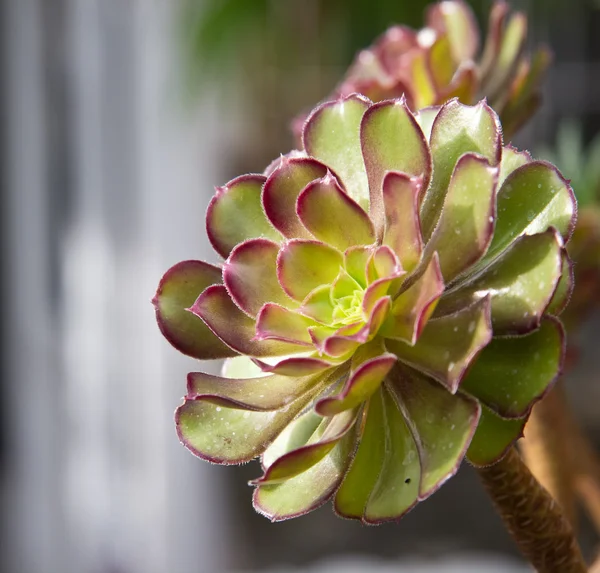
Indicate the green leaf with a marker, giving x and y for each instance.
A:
(397, 488)
(442, 423)
(458, 129)
(521, 283)
(331, 135)
(466, 223)
(332, 216)
(511, 374)
(353, 495)
(391, 140)
(235, 214)
(532, 199)
(493, 438)
(178, 289)
(448, 344)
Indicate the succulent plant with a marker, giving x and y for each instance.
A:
(439, 62)
(386, 306)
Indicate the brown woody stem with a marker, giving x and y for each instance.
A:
(532, 517)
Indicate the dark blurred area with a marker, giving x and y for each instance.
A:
(118, 117)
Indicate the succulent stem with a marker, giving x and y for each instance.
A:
(534, 520)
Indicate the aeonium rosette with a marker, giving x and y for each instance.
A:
(385, 307)
(444, 60)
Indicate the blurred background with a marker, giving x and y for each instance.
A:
(118, 117)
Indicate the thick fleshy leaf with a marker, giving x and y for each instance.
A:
(564, 289)
(274, 322)
(513, 42)
(457, 21)
(413, 307)
(512, 159)
(458, 129)
(349, 337)
(532, 199)
(402, 231)
(271, 392)
(354, 493)
(493, 39)
(355, 263)
(234, 328)
(493, 438)
(360, 386)
(397, 488)
(423, 86)
(308, 490)
(250, 275)
(240, 367)
(231, 435)
(281, 191)
(443, 424)
(305, 265)
(235, 214)
(318, 305)
(521, 283)
(323, 440)
(448, 345)
(383, 264)
(296, 365)
(331, 135)
(425, 118)
(391, 140)
(440, 63)
(332, 216)
(466, 225)
(178, 289)
(511, 374)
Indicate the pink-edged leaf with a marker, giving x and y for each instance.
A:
(456, 19)
(413, 307)
(511, 160)
(275, 322)
(231, 435)
(308, 490)
(458, 129)
(263, 393)
(533, 198)
(320, 443)
(493, 438)
(281, 191)
(318, 305)
(235, 214)
(303, 266)
(443, 424)
(511, 374)
(521, 283)
(250, 275)
(402, 222)
(466, 223)
(331, 135)
(391, 140)
(396, 490)
(506, 64)
(361, 384)
(383, 264)
(425, 118)
(178, 289)
(564, 289)
(277, 163)
(296, 365)
(493, 40)
(448, 345)
(234, 328)
(332, 216)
